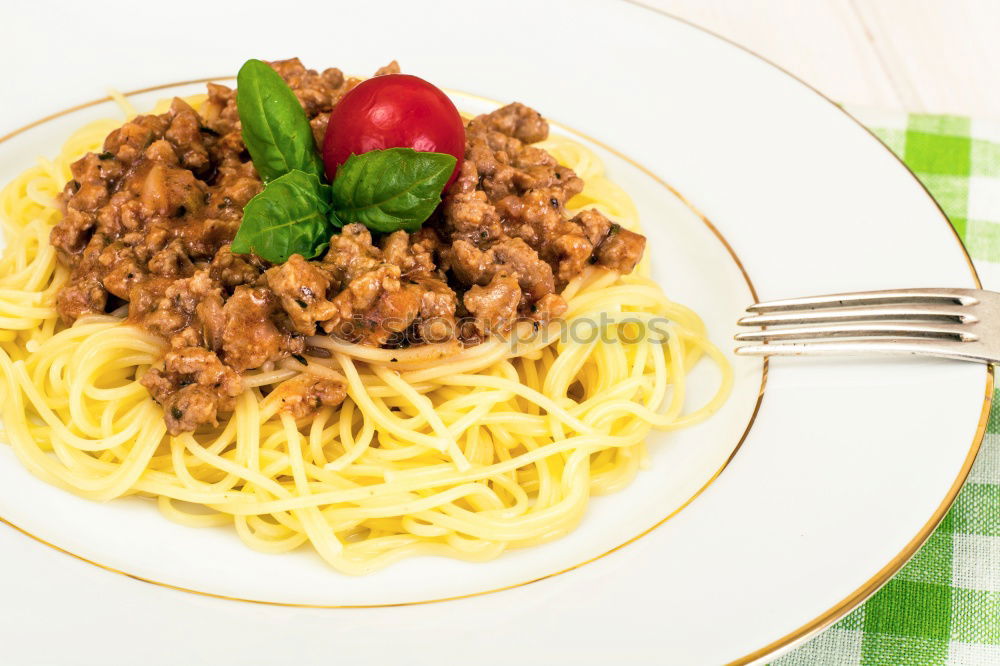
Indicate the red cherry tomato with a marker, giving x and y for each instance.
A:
(393, 111)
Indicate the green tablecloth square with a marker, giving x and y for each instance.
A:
(910, 608)
(938, 153)
(932, 564)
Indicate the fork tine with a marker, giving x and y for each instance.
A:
(941, 313)
(888, 297)
(956, 332)
(939, 348)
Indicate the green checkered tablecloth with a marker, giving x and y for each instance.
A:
(943, 607)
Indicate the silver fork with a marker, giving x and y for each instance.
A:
(962, 324)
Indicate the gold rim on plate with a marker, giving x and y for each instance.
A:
(711, 227)
(882, 576)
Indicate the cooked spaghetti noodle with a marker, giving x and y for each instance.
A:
(437, 450)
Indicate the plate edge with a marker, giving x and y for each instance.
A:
(883, 575)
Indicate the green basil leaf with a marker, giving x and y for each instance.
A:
(275, 128)
(291, 216)
(392, 189)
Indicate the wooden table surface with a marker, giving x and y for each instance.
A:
(937, 56)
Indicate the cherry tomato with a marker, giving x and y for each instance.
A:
(393, 111)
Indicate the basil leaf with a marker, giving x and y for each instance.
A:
(291, 216)
(392, 189)
(275, 128)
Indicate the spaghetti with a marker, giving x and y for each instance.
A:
(437, 450)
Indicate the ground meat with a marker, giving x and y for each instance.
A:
(391, 68)
(548, 308)
(317, 92)
(621, 250)
(506, 214)
(193, 386)
(351, 255)
(84, 295)
(71, 235)
(187, 139)
(301, 287)
(170, 307)
(382, 291)
(514, 120)
(123, 270)
(412, 253)
(304, 395)
(436, 317)
(150, 219)
(616, 248)
(172, 261)
(472, 218)
(142, 220)
(373, 306)
(232, 270)
(250, 335)
(495, 305)
(593, 224)
(471, 265)
(318, 126)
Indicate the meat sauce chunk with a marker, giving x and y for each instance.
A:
(251, 334)
(301, 288)
(306, 394)
(495, 305)
(193, 386)
(149, 221)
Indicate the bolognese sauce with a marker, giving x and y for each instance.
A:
(148, 222)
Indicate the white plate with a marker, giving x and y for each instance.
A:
(692, 263)
(844, 473)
